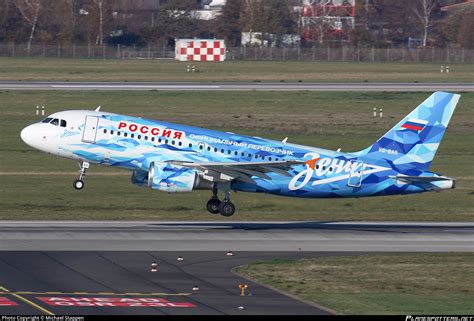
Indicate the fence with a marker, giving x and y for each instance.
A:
(340, 54)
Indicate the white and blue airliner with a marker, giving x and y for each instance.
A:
(178, 158)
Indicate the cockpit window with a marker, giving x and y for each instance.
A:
(46, 120)
(55, 122)
(63, 123)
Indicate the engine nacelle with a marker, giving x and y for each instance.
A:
(140, 178)
(171, 178)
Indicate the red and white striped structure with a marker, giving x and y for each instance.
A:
(200, 50)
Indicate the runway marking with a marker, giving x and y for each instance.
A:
(139, 86)
(98, 293)
(16, 295)
(113, 302)
(62, 173)
(6, 302)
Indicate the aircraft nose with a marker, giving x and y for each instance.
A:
(28, 135)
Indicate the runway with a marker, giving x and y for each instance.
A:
(83, 283)
(236, 236)
(103, 267)
(239, 86)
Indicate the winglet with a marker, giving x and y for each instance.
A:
(98, 108)
(284, 140)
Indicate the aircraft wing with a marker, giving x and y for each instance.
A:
(242, 171)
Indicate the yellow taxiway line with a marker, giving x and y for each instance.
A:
(18, 296)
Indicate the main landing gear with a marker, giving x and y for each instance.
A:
(79, 183)
(225, 207)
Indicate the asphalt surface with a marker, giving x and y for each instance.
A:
(243, 86)
(237, 236)
(100, 267)
(82, 283)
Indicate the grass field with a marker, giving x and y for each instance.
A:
(169, 70)
(35, 185)
(414, 284)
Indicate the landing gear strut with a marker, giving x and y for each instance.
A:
(79, 183)
(225, 208)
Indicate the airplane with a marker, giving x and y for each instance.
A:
(177, 158)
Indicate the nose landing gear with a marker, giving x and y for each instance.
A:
(79, 183)
(225, 207)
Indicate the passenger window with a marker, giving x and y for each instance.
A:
(118, 133)
(146, 137)
(180, 143)
(105, 131)
(55, 122)
(215, 149)
(46, 120)
(270, 159)
(172, 142)
(139, 136)
(159, 140)
(111, 132)
(208, 148)
(236, 153)
(153, 139)
(166, 141)
(132, 135)
(190, 145)
(63, 123)
(229, 152)
(125, 134)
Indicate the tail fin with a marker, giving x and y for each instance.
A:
(413, 142)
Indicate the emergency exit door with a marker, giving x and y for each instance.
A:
(90, 129)
(356, 174)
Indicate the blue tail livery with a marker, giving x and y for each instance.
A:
(178, 158)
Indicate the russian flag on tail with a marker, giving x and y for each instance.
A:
(414, 124)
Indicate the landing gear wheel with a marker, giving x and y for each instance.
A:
(213, 205)
(78, 184)
(226, 208)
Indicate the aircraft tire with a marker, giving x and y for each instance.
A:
(78, 184)
(213, 205)
(227, 208)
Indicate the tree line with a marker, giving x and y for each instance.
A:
(378, 23)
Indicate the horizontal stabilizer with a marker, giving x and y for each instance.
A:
(421, 179)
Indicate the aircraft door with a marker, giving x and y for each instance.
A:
(356, 174)
(90, 129)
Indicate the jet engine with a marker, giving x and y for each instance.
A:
(140, 178)
(171, 178)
